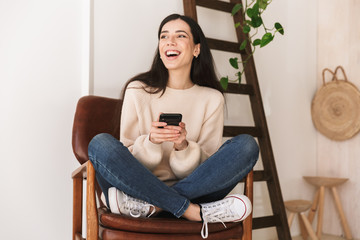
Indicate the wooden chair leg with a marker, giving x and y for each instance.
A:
(77, 207)
(341, 213)
(92, 222)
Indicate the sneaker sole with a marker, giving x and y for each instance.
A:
(246, 205)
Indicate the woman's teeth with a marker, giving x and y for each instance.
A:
(172, 53)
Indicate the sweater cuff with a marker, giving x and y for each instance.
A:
(148, 153)
(185, 161)
(153, 147)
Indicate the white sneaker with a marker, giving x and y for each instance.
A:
(122, 203)
(233, 208)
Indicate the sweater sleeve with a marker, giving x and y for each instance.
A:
(211, 135)
(148, 153)
(184, 162)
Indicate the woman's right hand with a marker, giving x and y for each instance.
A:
(159, 135)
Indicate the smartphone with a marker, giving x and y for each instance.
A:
(170, 118)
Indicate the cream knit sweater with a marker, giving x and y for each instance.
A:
(202, 110)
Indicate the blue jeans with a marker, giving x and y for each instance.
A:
(115, 166)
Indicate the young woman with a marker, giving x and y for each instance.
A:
(179, 169)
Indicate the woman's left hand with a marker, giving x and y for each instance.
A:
(180, 143)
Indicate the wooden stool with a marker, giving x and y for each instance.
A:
(300, 206)
(321, 183)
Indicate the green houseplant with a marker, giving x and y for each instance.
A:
(251, 14)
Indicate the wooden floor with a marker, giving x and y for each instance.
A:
(324, 237)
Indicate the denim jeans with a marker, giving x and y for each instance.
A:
(115, 166)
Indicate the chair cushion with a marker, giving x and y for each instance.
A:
(110, 234)
(162, 225)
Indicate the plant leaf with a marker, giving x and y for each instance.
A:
(246, 29)
(236, 8)
(234, 62)
(243, 45)
(255, 9)
(250, 12)
(268, 37)
(279, 28)
(237, 25)
(256, 21)
(262, 4)
(256, 42)
(249, 23)
(224, 81)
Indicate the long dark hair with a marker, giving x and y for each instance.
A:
(202, 68)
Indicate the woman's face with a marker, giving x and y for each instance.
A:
(176, 45)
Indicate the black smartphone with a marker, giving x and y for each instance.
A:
(170, 118)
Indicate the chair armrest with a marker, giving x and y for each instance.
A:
(85, 171)
(80, 172)
(78, 176)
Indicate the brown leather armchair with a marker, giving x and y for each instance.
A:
(97, 115)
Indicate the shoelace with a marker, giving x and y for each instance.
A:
(136, 206)
(214, 215)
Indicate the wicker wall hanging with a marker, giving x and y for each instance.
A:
(335, 108)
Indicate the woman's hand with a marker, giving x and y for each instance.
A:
(180, 143)
(160, 133)
(175, 134)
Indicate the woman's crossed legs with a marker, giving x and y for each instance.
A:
(116, 167)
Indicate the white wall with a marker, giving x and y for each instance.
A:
(40, 76)
(125, 41)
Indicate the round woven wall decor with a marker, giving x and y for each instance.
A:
(335, 109)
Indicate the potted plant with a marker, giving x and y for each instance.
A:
(251, 14)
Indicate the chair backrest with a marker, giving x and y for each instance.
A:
(94, 115)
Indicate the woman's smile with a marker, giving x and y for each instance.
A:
(172, 54)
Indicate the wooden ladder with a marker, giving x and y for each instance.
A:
(260, 130)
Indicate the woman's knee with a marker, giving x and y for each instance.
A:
(247, 143)
(99, 141)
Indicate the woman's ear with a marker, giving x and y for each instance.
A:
(197, 50)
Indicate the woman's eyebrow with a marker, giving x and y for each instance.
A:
(182, 32)
(177, 31)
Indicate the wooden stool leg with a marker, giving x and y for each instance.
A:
(314, 207)
(312, 211)
(308, 227)
(341, 213)
(321, 212)
(291, 218)
(302, 227)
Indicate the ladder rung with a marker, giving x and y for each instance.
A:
(240, 89)
(265, 222)
(259, 176)
(232, 131)
(225, 46)
(216, 5)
